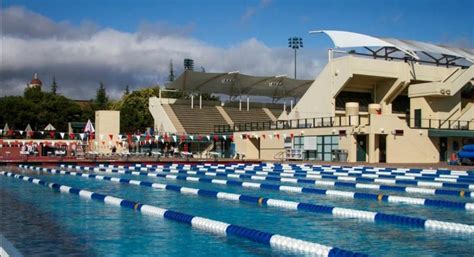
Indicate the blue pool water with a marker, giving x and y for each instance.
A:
(40, 222)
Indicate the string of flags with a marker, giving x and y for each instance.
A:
(142, 139)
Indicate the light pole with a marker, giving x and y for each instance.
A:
(295, 43)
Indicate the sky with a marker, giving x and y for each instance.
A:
(125, 42)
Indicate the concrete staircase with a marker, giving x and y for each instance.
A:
(449, 86)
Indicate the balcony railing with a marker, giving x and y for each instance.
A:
(439, 124)
(338, 121)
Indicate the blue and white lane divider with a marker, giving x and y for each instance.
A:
(309, 167)
(215, 227)
(371, 175)
(291, 205)
(345, 178)
(417, 190)
(342, 181)
(361, 173)
(329, 193)
(318, 173)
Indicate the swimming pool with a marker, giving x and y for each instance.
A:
(41, 221)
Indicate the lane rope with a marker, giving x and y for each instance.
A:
(323, 209)
(212, 226)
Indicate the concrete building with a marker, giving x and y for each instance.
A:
(384, 100)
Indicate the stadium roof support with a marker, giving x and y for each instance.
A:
(344, 39)
(235, 84)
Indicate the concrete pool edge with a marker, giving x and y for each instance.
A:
(7, 249)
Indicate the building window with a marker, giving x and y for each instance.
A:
(324, 147)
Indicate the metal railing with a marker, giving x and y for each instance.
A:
(321, 122)
(340, 121)
(439, 124)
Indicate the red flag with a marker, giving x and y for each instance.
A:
(278, 136)
(231, 138)
(111, 136)
(263, 135)
(71, 136)
(51, 134)
(292, 135)
(216, 137)
(199, 137)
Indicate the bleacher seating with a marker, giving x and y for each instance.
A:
(199, 121)
(244, 116)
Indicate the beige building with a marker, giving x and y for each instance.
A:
(385, 100)
(107, 128)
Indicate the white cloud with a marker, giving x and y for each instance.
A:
(80, 58)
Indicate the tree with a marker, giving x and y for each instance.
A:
(54, 86)
(127, 91)
(171, 75)
(101, 99)
(38, 108)
(134, 113)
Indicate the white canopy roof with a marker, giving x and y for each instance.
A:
(235, 83)
(344, 39)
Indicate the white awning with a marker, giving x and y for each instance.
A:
(344, 39)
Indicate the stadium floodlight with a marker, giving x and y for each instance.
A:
(295, 43)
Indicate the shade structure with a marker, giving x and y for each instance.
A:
(235, 83)
(28, 128)
(89, 128)
(6, 128)
(49, 128)
(345, 39)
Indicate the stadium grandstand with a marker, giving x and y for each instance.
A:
(376, 100)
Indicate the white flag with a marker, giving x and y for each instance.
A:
(21, 132)
(82, 136)
(62, 135)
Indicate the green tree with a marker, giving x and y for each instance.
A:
(101, 99)
(134, 113)
(38, 109)
(171, 75)
(54, 86)
(127, 90)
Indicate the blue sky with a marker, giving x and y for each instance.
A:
(224, 23)
(125, 42)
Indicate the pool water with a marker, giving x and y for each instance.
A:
(41, 222)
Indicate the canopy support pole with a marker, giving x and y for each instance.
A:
(200, 101)
(248, 103)
(291, 105)
(240, 103)
(192, 101)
